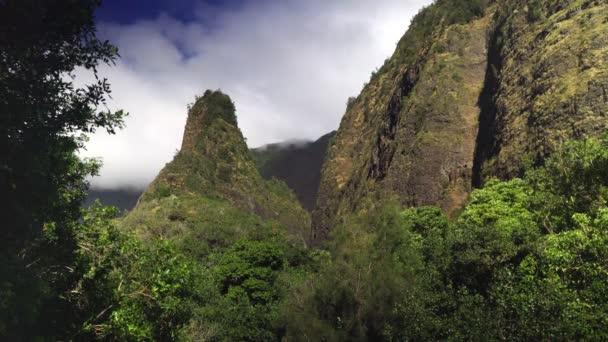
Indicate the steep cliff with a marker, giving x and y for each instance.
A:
(548, 82)
(213, 182)
(474, 90)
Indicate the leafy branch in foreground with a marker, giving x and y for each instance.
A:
(44, 120)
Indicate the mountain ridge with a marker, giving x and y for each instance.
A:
(469, 94)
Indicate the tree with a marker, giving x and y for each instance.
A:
(44, 119)
(384, 281)
(496, 228)
(127, 289)
(524, 260)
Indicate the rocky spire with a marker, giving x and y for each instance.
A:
(211, 106)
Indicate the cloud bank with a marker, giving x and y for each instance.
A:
(289, 66)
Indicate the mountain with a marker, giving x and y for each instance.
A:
(213, 182)
(123, 199)
(475, 90)
(298, 164)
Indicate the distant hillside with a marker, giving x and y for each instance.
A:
(297, 164)
(123, 199)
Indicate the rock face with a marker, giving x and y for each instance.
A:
(298, 165)
(486, 92)
(214, 166)
(549, 82)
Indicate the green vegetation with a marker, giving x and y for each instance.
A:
(214, 252)
(525, 260)
(474, 90)
(427, 24)
(215, 166)
(194, 286)
(129, 290)
(396, 137)
(217, 106)
(549, 60)
(44, 120)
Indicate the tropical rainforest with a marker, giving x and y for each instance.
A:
(464, 196)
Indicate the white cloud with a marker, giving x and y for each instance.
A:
(289, 66)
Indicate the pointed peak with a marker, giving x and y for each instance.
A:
(213, 105)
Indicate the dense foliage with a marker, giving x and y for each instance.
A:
(163, 289)
(43, 119)
(208, 254)
(525, 260)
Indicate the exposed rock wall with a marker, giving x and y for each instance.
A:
(411, 133)
(551, 77)
(489, 97)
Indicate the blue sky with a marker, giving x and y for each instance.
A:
(129, 11)
(289, 66)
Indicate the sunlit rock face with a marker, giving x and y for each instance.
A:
(469, 94)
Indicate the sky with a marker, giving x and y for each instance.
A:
(288, 65)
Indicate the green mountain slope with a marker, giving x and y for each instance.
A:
(474, 90)
(213, 182)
